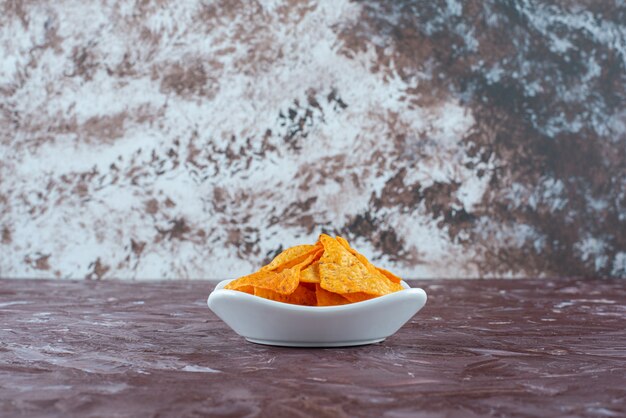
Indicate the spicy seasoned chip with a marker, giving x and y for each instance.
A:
(357, 297)
(246, 289)
(343, 242)
(342, 272)
(326, 298)
(327, 273)
(372, 268)
(389, 275)
(310, 286)
(284, 282)
(311, 274)
(290, 256)
(301, 296)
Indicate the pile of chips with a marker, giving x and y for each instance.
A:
(326, 273)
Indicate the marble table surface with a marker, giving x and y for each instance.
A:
(478, 348)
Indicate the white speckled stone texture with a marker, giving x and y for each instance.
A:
(177, 140)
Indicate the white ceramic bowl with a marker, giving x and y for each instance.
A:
(264, 321)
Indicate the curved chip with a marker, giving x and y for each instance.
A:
(301, 296)
(389, 275)
(372, 268)
(343, 242)
(284, 282)
(327, 273)
(289, 256)
(246, 289)
(311, 274)
(342, 272)
(326, 298)
(284, 279)
(357, 297)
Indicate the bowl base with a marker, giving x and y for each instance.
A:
(314, 344)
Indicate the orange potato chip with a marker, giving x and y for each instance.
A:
(311, 274)
(289, 256)
(284, 282)
(310, 286)
(357, 297)
(344, 242)
(326, 298)
(327, 273)
(246, 289)
(312, 258)
(372, 268)
(303, 260)
(301, 296)
(389, 275)
(342, 272)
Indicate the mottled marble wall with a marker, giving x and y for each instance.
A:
(195, 140)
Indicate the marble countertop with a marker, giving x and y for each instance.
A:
(478, 348)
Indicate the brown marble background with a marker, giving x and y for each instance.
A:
(164, 139)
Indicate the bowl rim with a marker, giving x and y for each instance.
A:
(219, 290)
